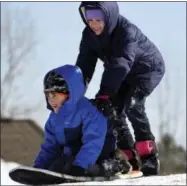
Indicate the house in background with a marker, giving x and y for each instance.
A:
(20, 140)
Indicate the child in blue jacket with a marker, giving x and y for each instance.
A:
(77, 136)
(133, 67)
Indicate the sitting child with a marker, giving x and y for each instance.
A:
(78, 140)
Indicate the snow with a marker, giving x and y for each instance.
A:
(175, 179)
(5, 168)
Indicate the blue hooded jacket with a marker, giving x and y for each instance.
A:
(78, 129)
(126, 52)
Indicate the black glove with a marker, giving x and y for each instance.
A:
(76, 171)
(104, 105)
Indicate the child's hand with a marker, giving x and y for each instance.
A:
(104, 105)
(77, 171)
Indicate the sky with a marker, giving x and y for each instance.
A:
(178, 179)
(58, 29)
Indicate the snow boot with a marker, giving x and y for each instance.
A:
(132, 157)
(110, 167)
(123, 161)
(148, 153)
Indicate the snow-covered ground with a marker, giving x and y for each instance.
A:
(5, 168)
(175, 179)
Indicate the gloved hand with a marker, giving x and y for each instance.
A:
(76, 171)
(104, 105)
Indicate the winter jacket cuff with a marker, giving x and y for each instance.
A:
(105, 97)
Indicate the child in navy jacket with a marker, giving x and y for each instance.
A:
(133, 67)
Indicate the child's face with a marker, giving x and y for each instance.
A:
(96, 25)
(56, 100)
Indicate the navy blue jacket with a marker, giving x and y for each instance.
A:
(78, 129)
(126, 52)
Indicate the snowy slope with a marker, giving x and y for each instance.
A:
(177, 179)
(5, 168)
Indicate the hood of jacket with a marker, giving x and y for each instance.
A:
(74, 78)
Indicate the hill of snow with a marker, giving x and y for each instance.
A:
(175, 179)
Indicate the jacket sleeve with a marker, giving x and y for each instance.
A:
(86, 59)
(94, 133)
(120, 64)
(49, 150)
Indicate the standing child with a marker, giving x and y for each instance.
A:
(77, 137)
(133, 67)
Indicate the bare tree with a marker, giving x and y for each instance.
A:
(18, 44)
(163, 113)
(171, 155)
(169, 106)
